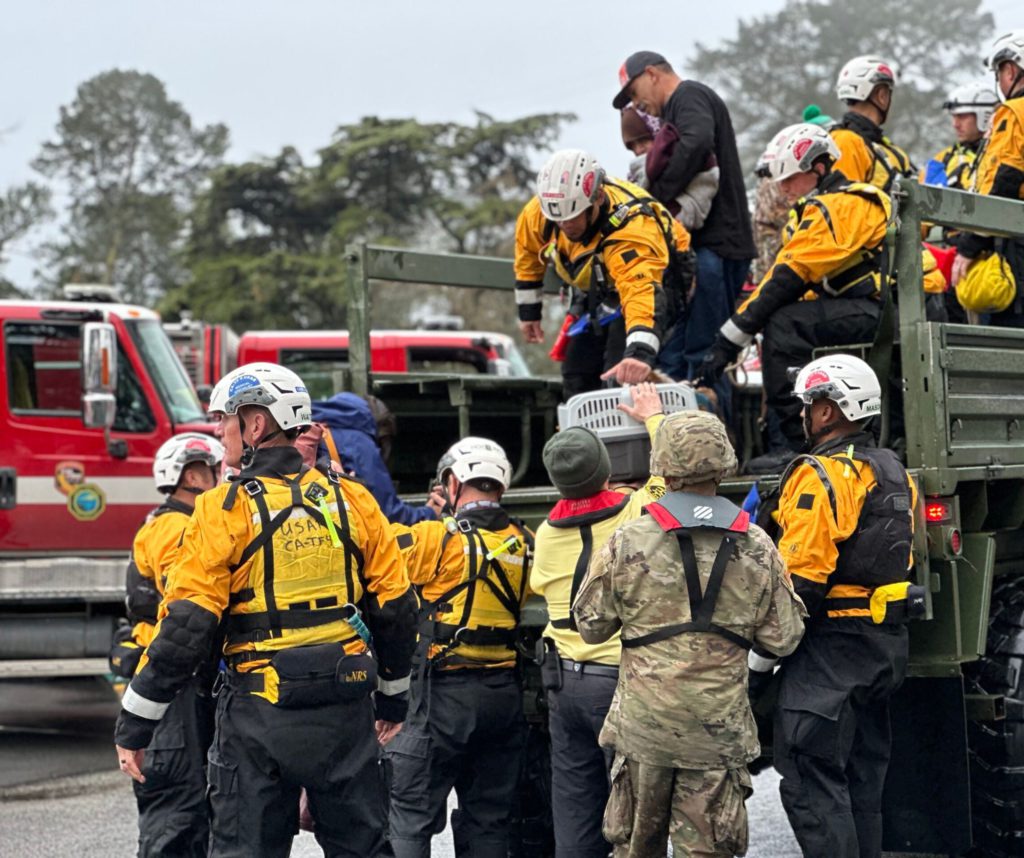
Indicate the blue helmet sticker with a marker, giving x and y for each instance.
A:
(243, 382)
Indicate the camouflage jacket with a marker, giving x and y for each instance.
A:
(771, 210)
(682, 702)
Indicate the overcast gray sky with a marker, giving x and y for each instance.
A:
(291, 71)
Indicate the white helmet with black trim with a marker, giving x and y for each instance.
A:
(1007, 48)
(475, 459)
(763, 167)
(798, 147)
(978, 98)
(847, 380)
(176, 453)
(568, 184)
(859, 77)
(274, 387)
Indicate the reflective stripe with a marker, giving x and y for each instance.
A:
(526, 296)
(645, 338)
(135, 703)
(759, 663)
(732, 332)
(393, 686)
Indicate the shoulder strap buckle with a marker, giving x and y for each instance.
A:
(253, 488)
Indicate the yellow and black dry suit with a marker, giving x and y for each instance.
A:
(471, 573)
(301, 568)
(153, 552)
(1000, 173)
(833, 252)
(867, 155)
(846, 516)
(958, 164)
(634, 248)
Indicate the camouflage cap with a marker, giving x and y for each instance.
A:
(692, 445)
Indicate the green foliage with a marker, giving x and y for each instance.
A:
(777, 64)
(21, 208)
(131, 161)
(267, 238)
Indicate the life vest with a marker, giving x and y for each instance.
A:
(952, 167)
(475, 620)
(860, 275)
(876, 553)
(678, 513)
(305, 574)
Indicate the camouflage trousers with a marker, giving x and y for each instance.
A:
(703, 813)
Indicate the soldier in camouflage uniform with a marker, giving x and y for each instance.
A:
(680, 722)
(771, 210)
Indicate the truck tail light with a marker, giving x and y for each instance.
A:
(955, 541)
(938, 511)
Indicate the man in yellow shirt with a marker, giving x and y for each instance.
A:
(580, 678)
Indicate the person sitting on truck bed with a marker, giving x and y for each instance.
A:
(845, 518)
(580, 679)
(1000, 173)
(351, 441)
(625, 257)
(824, 287)
(173, 818)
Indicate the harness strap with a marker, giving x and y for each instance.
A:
(582, 562)
(702, 604)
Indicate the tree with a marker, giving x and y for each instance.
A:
(777, 64)
(21, 208)
(280, 227)
(132, 162)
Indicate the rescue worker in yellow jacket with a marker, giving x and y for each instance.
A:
(465, 728)
(173, 816)
(866, 85)
(625, 258)
(970, 108)
(846, 519)
(824, 287)
(1000, 173)
(298, 569)
(580, 678)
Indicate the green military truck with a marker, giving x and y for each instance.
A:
(956, 781)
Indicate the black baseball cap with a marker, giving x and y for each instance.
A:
(631, 69)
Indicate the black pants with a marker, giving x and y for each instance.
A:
(589, 355)
(579, 766)
(469, 735)
(832, 736)
(173, 814)
(261, 757)
(792, 334)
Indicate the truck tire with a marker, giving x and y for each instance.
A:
(996, 748)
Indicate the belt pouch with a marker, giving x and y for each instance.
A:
(551, 667)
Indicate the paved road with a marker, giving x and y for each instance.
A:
(60, 794)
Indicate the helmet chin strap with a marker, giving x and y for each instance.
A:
(883, 110)
(249, 450)
(814, 438)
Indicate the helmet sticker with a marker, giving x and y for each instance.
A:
(588, 183)
(243, 382)
(800, 148)
(819, 376)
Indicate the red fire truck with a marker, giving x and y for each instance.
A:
(88, 392)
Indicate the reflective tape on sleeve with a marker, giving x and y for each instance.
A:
(135, 703)
(393, 686)
(732, 332)
(644, 338)
(529, 296)
(760, 663)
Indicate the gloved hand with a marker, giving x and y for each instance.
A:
(718, 357)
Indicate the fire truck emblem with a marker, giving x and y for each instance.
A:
(86, 501)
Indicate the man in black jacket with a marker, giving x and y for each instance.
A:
(725, 244)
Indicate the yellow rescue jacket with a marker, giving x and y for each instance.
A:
(471, 572)
(867, 155)
(1000, 170)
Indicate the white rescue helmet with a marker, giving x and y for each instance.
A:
(475, 459)
(176, 453)
(274, 387)
(847, 380)
(977, 98)
(798, 147)
(568, 184)
(859, 77)
(1007, 48)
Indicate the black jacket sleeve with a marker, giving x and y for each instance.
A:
(692, 117)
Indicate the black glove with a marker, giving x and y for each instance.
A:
(718, 357)
(391, 707)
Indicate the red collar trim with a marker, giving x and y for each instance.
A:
(575, 507)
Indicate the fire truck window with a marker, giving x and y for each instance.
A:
(324, 371)
(133, 413)
(447, 359)
(44, 368)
